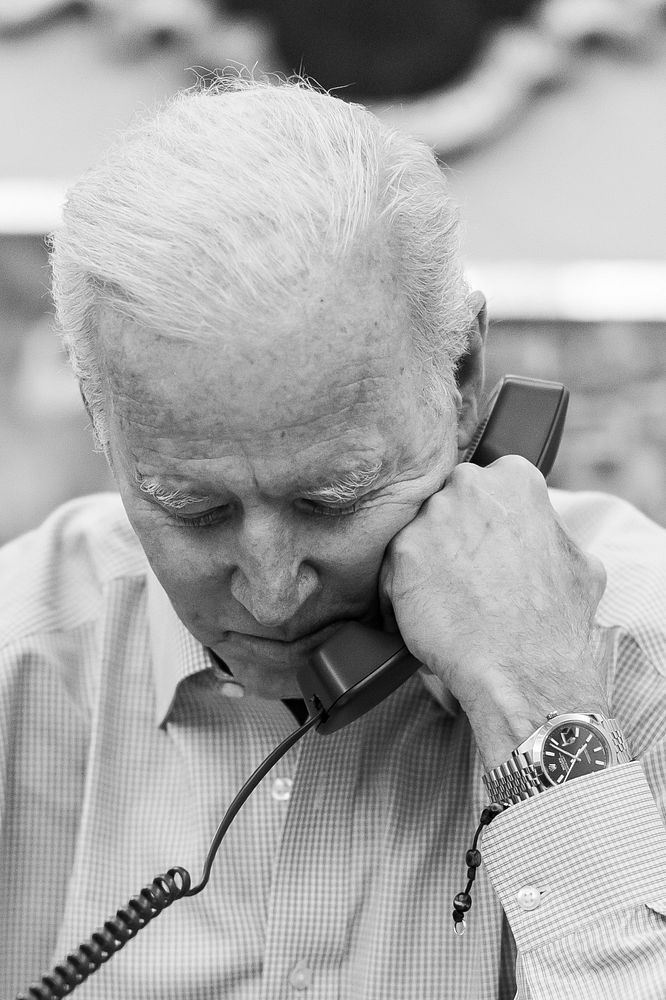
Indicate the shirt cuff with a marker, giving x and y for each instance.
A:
(572, 855)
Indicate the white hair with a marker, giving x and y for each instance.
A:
(210, 208)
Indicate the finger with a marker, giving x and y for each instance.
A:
(389, 623)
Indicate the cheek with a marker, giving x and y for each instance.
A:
(351, 561)
(180, 558)
(187, 564)
(193, 576)
(355, 553)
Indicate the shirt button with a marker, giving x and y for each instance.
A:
(528, 898)
(300, 976)
(231, 690)
(281, 790)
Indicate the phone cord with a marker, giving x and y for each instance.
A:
(151, 900)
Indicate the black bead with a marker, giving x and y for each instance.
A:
(463, 902)
(473, 858)
(471, 874)
(489, 813)
(458, 917)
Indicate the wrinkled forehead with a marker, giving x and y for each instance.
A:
(342, 350)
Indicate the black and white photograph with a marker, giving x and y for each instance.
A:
(333, 520)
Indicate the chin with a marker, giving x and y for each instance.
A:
(265, 685)
(262, 680)
(267, 668)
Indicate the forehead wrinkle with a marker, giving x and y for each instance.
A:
(157, 418)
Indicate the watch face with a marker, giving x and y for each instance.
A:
(572, 749)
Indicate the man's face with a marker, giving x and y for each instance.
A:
(261, 426)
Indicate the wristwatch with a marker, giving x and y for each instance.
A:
(566, 746)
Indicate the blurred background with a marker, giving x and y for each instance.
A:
(547, 115)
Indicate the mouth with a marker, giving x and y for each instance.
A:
(281, 654)
(299, 643)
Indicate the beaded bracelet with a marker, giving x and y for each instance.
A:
(463, 901)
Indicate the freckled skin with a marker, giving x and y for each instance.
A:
(250, 416)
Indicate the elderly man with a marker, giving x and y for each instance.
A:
(261, 295)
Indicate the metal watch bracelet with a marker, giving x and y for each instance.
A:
(519, 778)
(514, 780)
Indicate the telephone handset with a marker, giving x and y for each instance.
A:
(358, 666)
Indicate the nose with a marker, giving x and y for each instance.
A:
(272, 579)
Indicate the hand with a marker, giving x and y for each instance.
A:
(493, 596)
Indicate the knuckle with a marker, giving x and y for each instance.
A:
(520, 468)
(398, 545)
(462, 474)
(510, 470)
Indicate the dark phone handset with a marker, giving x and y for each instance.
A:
(358, 666)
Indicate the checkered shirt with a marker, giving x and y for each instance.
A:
(122, 743)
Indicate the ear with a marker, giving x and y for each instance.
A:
(470, 374)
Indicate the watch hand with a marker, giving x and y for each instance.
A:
(571, 766)
(577, 756)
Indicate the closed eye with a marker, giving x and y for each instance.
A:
(318, 509)
(209, 517)
(312, 508)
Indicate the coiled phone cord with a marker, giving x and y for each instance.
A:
(152, 899)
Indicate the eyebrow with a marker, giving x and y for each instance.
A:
(344, 489)
(348, 487)
(168, 497)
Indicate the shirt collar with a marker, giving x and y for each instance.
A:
(176, 655)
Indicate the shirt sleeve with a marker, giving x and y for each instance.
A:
(581, 874)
